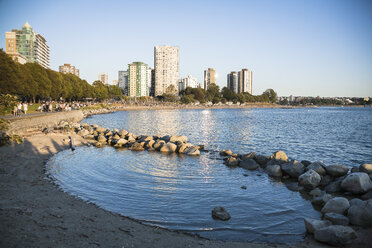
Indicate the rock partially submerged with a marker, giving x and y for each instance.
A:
(338, 205)
(335, 235)
(220, 213)
(312, 225)
(310, 179)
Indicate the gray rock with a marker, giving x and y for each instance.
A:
(335, 186)
(318, 167)
(249, 164)
(250, 155)
(232, 161)
(226, 152)
(336, 170)
(279, 155)
(355, 169)
(178, 138)
(293, 169)
(321, 200)
(312, 225)
(335, 235)
(325, 181)
(338, 205)
(83, 132)
(316, 192)
(337, 219)
(367, 195)
(261, 159)
(168, 148)
(192, 151)
(89, 137)
(220, 213)
(355, 201)
(367, 168)
(357, 183)
(305, 162)
(273, 170)
(309, 179)
(294, 186)
(361, 214)
(101, 139)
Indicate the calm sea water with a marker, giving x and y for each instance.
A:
(179, 192)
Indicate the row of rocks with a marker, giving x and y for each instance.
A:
(320, 182)
(123, 139)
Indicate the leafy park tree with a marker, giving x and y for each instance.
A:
(271, 94)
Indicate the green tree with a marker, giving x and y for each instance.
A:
(115, 91)
(271, 94)
(100, 91)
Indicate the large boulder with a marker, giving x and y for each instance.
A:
(232, 161)
(101, 139)
(357, 183)
(337, 219)
(367, 195)
(220, 213)
(338, 205)
(83, 132)
(335, 186)
(249, 164)
(250, 155)
(279, 155)
(318, 167)
(360, 214)
(261, 159)
(335, 235)
(309, 179)
(366, 168)
(168, 148)
(192, 151)
(178, 138)
(321, 200)
(226, 152)
(337, 170)
(121, 141)
(293, 168)
(312, 225)
(123, 133)
(274, 170)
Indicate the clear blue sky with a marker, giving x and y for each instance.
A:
(309, 48)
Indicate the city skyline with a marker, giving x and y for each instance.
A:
(317, 48)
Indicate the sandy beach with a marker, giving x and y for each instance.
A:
(34, 212)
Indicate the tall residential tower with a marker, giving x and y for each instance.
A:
(138, 79)
(209, 77)
(166, 69)
(245, 81)
(26, 45)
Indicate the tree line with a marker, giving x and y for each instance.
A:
(32, 82)
(214, 95)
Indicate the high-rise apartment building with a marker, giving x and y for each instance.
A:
(26, 44)
(103, 77)
(166, 69)
(209, 77)
(123, 81)
(138, 79)
(189, 81)
(232, 81)
(68, 68)
(245, 81)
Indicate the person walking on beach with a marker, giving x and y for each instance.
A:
(25, 107)
(19, 110)
(15, 110)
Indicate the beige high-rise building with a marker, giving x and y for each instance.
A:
(103, 77)
(245, 81)
(26, 45)
(209, 77)
(166, 69)
(68, 68)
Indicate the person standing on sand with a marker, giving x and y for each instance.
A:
(25, 107)
(19, 110)
(15, 110)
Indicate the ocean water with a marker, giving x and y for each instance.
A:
(179, 192)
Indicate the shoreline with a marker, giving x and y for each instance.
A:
(35, 212)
